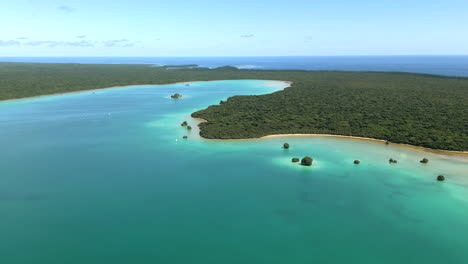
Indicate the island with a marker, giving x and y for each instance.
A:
(176, 96)
(417, 109)
(307, 161)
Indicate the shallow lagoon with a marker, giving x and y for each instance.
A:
(98, 177)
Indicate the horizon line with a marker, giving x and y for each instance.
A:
(239, 56)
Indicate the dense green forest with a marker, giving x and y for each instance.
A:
(417, 109)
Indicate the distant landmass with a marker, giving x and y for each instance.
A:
(441, 65)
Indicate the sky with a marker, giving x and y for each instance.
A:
(232, 28)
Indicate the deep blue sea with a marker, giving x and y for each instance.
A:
(442, 65)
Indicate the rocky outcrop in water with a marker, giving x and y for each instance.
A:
(307, 161)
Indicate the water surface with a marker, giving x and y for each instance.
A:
(442, 65)
(98, 177)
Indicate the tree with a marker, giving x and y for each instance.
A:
(307, 161)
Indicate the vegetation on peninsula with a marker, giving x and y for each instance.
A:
(417, 109)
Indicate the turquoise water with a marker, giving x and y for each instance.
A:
(99, 178)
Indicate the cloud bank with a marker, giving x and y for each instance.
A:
(9, 43)
(118, 43)
(52, 43)
(67, 43)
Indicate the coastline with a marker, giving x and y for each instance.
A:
(407, 146)
(92, 90)
(200, 120)
(133, 85)
(423, 149)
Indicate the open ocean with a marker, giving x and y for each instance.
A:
(441, 65)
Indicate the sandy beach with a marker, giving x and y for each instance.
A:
(199, 120)
(133, 85)
(422, 149)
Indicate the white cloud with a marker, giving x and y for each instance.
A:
(53, 43)
(9, 43)
(118, 43)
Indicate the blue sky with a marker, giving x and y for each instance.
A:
(232, 28)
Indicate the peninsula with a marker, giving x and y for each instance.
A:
(417, 109)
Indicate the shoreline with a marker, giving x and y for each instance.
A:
(402, 145)
(133, 85)
(200, 120)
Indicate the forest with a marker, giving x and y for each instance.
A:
(418, 109)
